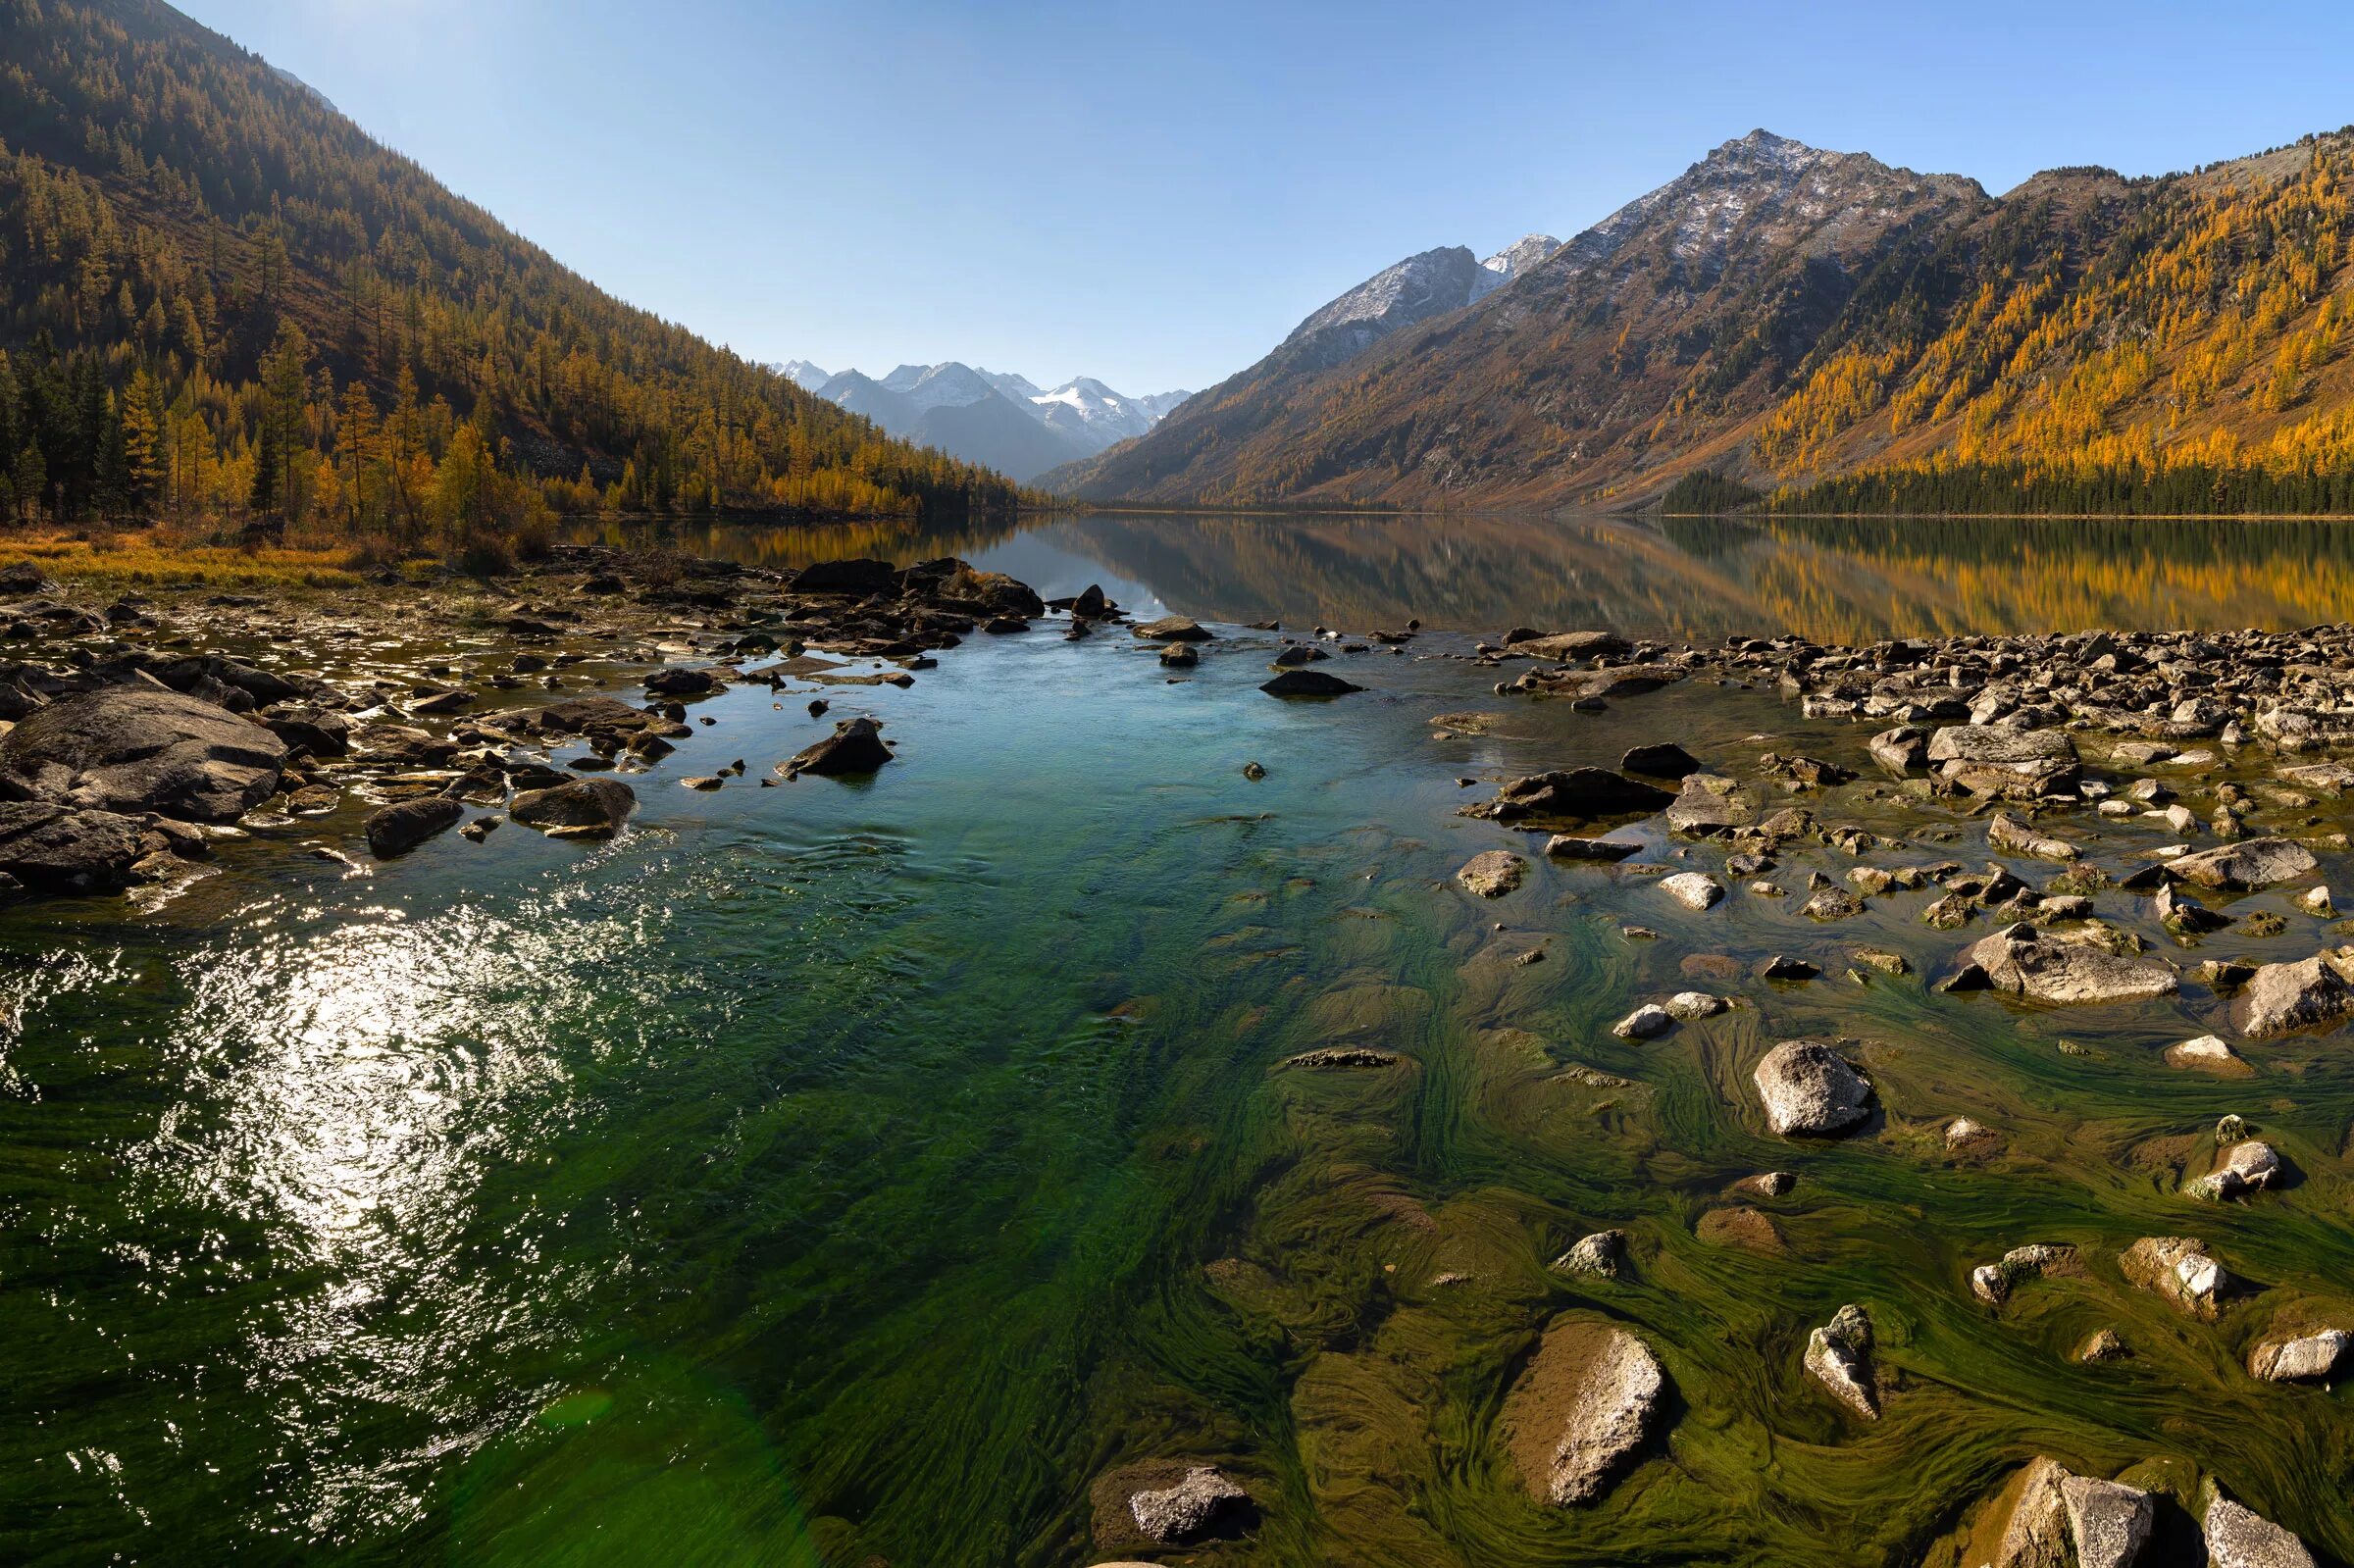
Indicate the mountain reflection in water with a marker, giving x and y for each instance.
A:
(1839, 579)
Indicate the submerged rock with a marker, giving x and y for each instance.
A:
(1992, 1282)
(1189, 1510)
(1809, 1089)
(1839, 1357)
(133, 748)
(1586, 1404)
(1569, 846)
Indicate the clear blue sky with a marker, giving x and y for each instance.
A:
(1155, 194)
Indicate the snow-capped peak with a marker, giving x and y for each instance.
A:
(802, 374)
(1512, 261)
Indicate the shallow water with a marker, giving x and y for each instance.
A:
(859, 1172)
(1840, 579)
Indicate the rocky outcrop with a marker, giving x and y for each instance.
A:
(2290, 998)
(1586, 1404)
(134, 748)
(2021, 962)
(1809, 1090)
(1992, 1282)
(1709, 804)
(1839, 1357)
(1307, 684)
(1600, 1256)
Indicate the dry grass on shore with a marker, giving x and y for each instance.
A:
(151, 558)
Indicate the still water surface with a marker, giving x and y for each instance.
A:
(860, 1173)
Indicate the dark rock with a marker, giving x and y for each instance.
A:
(56, 849)
(854, 747)
(406, 824)
(142, 748)
(590, 803)
(1660, 760)
(1307, 684)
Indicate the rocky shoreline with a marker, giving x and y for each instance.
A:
(142, 731)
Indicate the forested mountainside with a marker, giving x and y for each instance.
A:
(1819, 331)
(221, 300)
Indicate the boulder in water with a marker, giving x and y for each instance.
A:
(1307, 684)
(2240, 1538)
(57, 849)
(1492, 872)
(2287, 998)
(2245, 866)
(1809, 1089)
(134, 749)
(1839, 1357)
(2310, 1355)
(854, 747)
(406, 824)
(1189, 1510)
(579, 803)
(2019, 961)
(1586, 1404)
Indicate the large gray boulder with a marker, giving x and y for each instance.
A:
(2287, 998)
(134, 749)
(2004, 762)
(1586, 1402)
(2019, 961)
(2310, 1355)
(2063, 1520)
(2240, 1538)
(2245, 866)
(56, 849)
(1809, 1089)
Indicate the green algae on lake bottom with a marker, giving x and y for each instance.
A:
(864, 1173)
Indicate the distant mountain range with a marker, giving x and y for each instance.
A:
(1830, 330)
(999, 420)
